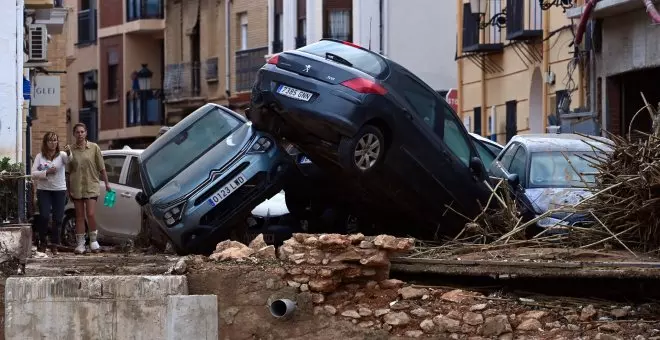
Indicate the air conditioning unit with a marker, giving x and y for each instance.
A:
(37, 43)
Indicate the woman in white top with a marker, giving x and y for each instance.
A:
(48, 174)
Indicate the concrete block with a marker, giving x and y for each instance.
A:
(89, 307)
(192, 317)
(16, 242)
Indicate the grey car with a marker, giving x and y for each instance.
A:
(549, 172)
(205, 174)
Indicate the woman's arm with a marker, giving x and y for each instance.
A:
(36, 173)
(101, 165)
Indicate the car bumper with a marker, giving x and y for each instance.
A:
(203, 223)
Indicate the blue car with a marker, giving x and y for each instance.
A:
(202, 177)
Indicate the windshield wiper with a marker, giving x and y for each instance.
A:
(336, 58)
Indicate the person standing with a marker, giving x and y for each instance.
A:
(48, 174)
(85, 165)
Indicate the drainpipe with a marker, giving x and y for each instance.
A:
(380, 26)
(582, 26)
(652, 11)
(227, 49)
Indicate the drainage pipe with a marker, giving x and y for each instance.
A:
(652, 11)
(282, 308)
(227, 49)
(582, 26)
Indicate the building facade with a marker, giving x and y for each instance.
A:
(517, 69)
(213, 50)
(115, 64)
(624, 38)
(399, 30)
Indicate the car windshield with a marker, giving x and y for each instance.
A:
(487, 157)
(362, 60)
(189, 145)
(563, 169)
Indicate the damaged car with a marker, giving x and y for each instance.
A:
(205, 174)
(551, 172)
(366, 118)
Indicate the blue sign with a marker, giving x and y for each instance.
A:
(27, 89)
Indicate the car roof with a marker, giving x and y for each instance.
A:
(125, 151)
(562, 142)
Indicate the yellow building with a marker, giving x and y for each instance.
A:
(515, 64)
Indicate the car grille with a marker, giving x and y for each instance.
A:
(242, 195)
(209, 192)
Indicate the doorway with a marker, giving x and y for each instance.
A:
(536, 115)
(632, 84)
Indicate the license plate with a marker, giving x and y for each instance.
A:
(294, 93)
(227, 190)
(304, 160)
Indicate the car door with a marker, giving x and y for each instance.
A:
(130, 221)
(519, 166)
(503, 161)
(106, 217)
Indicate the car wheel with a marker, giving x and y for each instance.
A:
(363, 152)
(68, 232)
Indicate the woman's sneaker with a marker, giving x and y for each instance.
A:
(80, 248)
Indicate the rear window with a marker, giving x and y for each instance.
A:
(364, 61)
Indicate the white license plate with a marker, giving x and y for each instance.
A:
(294, 93)
(227, 190)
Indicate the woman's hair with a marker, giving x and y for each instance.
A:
(44, 145)
(82, 125)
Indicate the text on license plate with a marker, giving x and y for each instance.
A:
(294, 93)
(227, 190)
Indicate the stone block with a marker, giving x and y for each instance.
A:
(192, 317)
(16, 242)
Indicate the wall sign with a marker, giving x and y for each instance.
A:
(46, 91)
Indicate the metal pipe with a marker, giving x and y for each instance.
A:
(652, 11)
(380, 27)
(582, 26)
(282, 308)
(227, 48)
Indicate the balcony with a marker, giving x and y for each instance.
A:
(144, 9)
(87, 27)
(606, 8)
(144, 107)
(182, 81)
(248, 62)
(277, 46)
(301, 41)
(54, 18)
(523, 20)
(39, 4)
(472, 30)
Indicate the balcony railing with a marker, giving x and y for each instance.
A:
(301, 41)
(89, 117)
(523, 20)
(277, 46)
(87, 26)
(248, 62)
(144, 9)
(144, 107)
(493, 35)
(182, 81)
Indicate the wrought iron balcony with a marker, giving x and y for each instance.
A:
(523, 20)
(87, 26)
(277, 46)
(182, 81)
(248, 62)
(144, 9)
(301, 41)
(493, 36)
(144, 107)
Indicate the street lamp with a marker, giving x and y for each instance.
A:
(91, 89)
(480, 7)
(144, 77)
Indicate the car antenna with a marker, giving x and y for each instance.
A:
(370, 18)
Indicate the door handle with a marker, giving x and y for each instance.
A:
(126, 194)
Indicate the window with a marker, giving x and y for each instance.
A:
(423, 101)
(552, 169)
(113, 166)
(365, 61)
(507, 156)
(302, 27)
(486, 155)
(518, 165)
(133, 176)
(495, 32)
(243, 38)
(113, 75)
(454, 137)
(338, 23)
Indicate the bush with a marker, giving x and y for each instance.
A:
(12, 175)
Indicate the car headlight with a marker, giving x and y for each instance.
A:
(173, 214)
(262, 145)
(549, 222)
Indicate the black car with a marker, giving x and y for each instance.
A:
(351, 109)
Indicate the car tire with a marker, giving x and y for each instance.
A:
(364, 152)
(68, 230)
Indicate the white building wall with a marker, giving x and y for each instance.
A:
(421, 36)
(366, 24)
(11, 80)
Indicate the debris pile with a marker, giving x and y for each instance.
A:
(321, 263)
(234, 250)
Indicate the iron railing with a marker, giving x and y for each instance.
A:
(523, 19)
(144, 9)
(144, 107)
(492, 23)
(301, 41)
(182, 80)
(87, 26)
(248, 62)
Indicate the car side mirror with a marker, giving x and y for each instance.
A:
(141, 198)
(514, 180)
(476, 167)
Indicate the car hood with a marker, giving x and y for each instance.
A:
(198, 172)
(544, 199)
